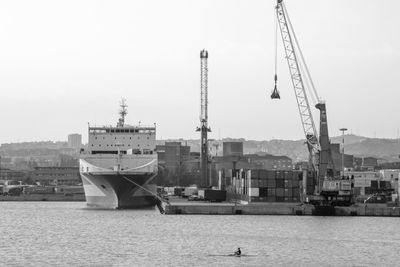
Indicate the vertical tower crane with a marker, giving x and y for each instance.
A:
(204, 129)
(318, 146)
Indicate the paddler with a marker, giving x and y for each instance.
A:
(238, 252)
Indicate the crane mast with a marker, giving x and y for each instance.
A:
(319, 148)
(204, 129)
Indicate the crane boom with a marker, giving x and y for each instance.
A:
(297, 80)
(319, 147)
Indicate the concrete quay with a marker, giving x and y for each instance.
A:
(276, 208)
(44, 197)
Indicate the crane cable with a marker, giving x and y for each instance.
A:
(275, 92)
(276, 46)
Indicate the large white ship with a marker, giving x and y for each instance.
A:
(119, 164)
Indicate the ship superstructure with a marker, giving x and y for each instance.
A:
(119, 164)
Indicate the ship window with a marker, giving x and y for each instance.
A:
(92, 145)
(104, 137)
(112, 131)
(115, 137)
(99, 145)
(130, 138)
(95, 137)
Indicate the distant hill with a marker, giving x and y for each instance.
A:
(386, 149)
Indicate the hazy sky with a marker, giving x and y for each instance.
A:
(66, 63)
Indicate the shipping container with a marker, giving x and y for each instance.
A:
(296, 192)
(288, 192)
(280, 183)
(280, 192)
(271, 175)
(280, 199)
(254, 174)
(310, 181)
(288, 183)
(271, 183)
(288, 199)
(263, 191)
(212, 195)
(189, 191)
(270, 199)
(298, 175)
(295, 183)
(368, 190)
(178, 191)
(310, 190)
(271, 192)
(263, 183)
(374, 184)
(385, 185)
(356, 191)
(254, 183)
(263, 174)
(288, 175)
(279, 175)
(254, 192)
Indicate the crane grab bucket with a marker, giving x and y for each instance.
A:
(275, 93)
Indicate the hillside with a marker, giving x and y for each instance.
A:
(387, 149)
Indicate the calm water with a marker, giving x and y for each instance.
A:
(69, 234)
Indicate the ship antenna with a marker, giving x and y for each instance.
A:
(122, 112)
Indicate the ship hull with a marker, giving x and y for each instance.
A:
(119, 191)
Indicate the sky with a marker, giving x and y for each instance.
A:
(64, 64)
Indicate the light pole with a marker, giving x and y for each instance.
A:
(343, 130)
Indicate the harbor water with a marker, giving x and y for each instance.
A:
(69, 234)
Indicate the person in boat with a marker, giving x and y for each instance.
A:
(238, 252)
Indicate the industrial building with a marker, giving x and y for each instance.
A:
(7, 174)
(55, 176)
(75, 141)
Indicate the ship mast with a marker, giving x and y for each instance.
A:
(122, 112)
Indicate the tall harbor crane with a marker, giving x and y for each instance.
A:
(204, 129)
(319, 147)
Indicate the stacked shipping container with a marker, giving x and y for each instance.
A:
(260, 185)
